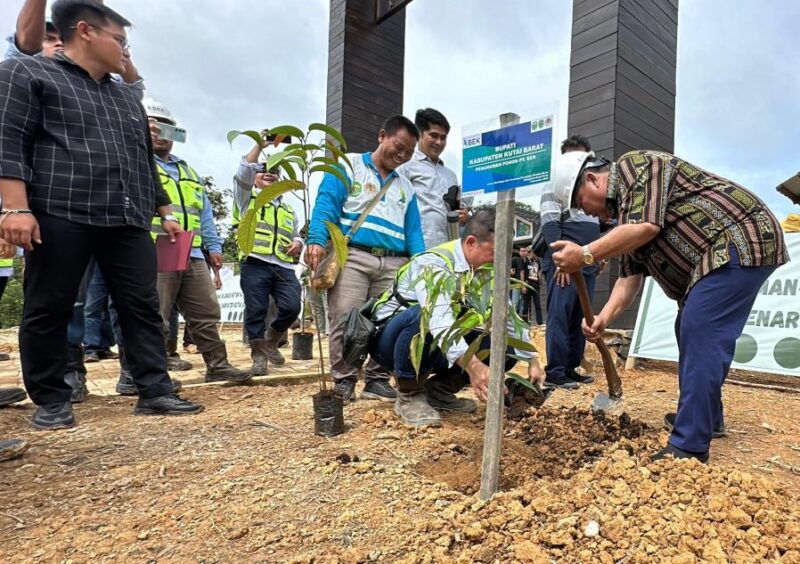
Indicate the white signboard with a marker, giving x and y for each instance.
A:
(770, 341)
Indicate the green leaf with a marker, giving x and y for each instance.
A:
(287, 130)
(483, 355)
(520, 345)
(254, 135)
(339, 242)
(246, 233)
(524, 381)
(287, 167)
(337, 172)
(331, 131)
(472, 349)
(269, 193)
(325, 160)
(417, 350)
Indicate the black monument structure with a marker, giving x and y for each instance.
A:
(621, 92)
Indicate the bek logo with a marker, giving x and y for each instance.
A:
(355, 189)
(472, 141)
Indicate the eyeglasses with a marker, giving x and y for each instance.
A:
(121, 39)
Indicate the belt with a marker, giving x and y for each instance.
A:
(378, 251)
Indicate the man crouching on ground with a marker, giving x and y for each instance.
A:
(441, 372)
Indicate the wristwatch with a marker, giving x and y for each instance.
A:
(169, 217)
(588, 257)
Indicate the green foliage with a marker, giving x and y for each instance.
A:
(298, 161)
(470, 295)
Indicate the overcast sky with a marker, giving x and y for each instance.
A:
(250, 64)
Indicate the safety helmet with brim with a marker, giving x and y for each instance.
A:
(568, 171)
(158, 111)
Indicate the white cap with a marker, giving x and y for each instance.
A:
(156, 109)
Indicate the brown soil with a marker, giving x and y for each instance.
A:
(247, 481)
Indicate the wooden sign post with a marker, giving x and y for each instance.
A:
(503, 241)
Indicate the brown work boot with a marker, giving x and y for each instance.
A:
(218, 368)
(258, 353)
(412, 405)
(271, 342)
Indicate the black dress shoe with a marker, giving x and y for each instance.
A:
(678, 453)
(107, 354)
(9, 396)
(669, 423)
(91, 357)
(169, 404)
(54, 416)
(126, 386)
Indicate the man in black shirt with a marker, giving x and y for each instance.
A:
(77, 179)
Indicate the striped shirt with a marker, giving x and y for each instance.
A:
(700, 214)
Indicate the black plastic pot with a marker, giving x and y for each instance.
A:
(328, 414)
(302, 346)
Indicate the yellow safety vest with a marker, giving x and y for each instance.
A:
(186, 196)
(6, 263)
(274, 230)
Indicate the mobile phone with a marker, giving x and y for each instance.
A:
(171, 132)
(286, 139)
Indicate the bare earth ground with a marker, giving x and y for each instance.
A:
(248, 481)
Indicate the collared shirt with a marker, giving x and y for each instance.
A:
(412, 289)
(392, 224)
(13, 52)
(700, 214)
(431, 181)
(560, 223)
(243, 192)
(208, 230)
(82, 147)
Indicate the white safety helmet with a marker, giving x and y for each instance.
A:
(568, 169)
(156, 109)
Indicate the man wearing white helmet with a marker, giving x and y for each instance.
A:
(709, 243)
(192, 290)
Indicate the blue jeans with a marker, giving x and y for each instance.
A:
(391, 348)
(101, 321)
(261, 280)
(711, 319)
(564, 339)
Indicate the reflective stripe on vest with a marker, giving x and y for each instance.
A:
(186, 196)
(274, 229)
(6, 263)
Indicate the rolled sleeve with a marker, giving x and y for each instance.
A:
(211, 238)
(20, 116)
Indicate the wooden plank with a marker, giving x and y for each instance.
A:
(596, 80)
(651, 118)
(585, 8)
(667, 35)
(592, 113)
(660, 9)
(596, 127)
(593, 34)
(595, 49)
(642, 56)
(641, 87)
(601, 15)
(587, 68)
(630, 122)
(591, 97)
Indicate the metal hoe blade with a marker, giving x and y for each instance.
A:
(612, 405)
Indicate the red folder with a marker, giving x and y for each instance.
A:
(174, 257)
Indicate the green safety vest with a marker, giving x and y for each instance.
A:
(186, 195)
(447, 251)
(6, 263)
(274, 229)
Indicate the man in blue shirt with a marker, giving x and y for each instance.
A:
(192, 290)
(391, 233)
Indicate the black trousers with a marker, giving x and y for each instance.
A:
(53, 271)
(3, 283)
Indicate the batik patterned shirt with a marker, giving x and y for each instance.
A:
(701, 216)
